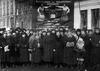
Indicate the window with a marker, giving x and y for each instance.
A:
(84, 19)
(95, 18)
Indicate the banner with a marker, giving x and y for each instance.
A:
(61, 10)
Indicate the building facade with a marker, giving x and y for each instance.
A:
(14, 14)
(7, 13)
(87, 14)
(26, 15)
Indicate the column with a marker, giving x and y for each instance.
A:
(89, 20)
(6, 8)
(0, 9)
(77, 16)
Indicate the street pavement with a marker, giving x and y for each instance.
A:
(38, 68)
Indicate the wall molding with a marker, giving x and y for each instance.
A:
(87, 5)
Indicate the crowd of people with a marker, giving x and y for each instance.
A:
(60, 47)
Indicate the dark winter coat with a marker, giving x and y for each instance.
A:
(48, 44)
(3, 54)
(59, 48)
(87, 46)
(96, 49)
(14, 50)
(23, 50)
(1, 48)
(36, 51)
(69, 54)
(6, 54)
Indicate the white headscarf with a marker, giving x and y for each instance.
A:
(80, 43)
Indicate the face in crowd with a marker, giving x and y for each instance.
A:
(27, 32)
(31, 32)
(48, 33)
(97, 31)
(8, 33)
(53, 32)
(58, 33)
(83, 33)
(66, 32)
(69, 34)
(78, 33)
(4, 35)
(44, 33)
(37, 36)
(62, 33)
(23, 35)
(17, 32)
(90, 33)
(14, 34)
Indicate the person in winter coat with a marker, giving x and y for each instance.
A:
(8, 39)
(58, 50)
(4, 52)
(48, 45)
(90, 35)
(36, 50)
(23, 50)
(78, 32)
(47, 56)
(43, 39)
(18, 35)
(14, 54)
(31, 40)
(69, 45)
(96, 48)
(87, 48)
(6, 45)
(1, 50)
